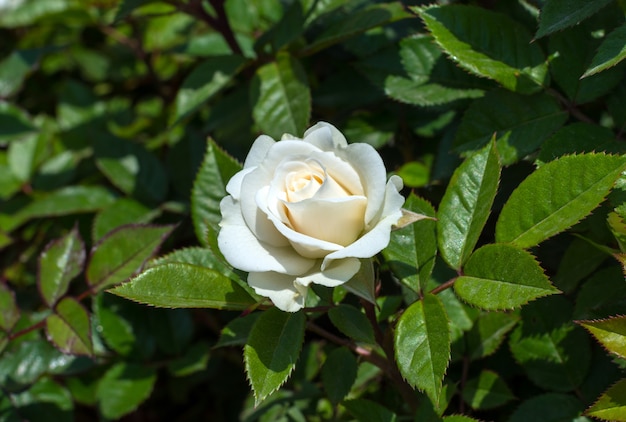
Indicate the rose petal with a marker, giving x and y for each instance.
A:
(282, 289)
(326, 136)
(336, 274)
(378, 237)
(243, 250)
(258, 151)
(304, 245)
(371, 170)
(233, 187)
(338, 221)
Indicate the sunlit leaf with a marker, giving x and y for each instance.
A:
(611, 406)
(486, 391)
(611, 333)
(556, 196)
(69, 328)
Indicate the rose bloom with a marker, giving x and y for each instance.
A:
(304, 211)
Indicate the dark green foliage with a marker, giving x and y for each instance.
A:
(122, 122)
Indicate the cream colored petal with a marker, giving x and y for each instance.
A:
(378, 237)
(338, 273)
(243, 250)
(304, 245)
(338, 221)
(325, 136)
(233, 187)
(258, 151)
(371, 169)
(282, 289)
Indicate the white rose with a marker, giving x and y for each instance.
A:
(304, 211)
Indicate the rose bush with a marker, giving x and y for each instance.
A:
(305, 211)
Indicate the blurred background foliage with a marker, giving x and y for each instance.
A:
(105, 111)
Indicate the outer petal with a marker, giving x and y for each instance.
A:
(377, 238)
(335, 274)
(282, 289)
(244, 251)
(258, 151)
(233, 187)
(323, 139)
(366, 161)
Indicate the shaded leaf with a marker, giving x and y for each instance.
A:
(556, 196)
(123, 388)
(69, 328)
(412, 250)
(422, 345)
(122, 253)
(466, 205)
(339, 373)
(548, 407)
(554, 352)
(500, 276)
(520, 123)
(59, 263)
(464, 33)
(14, 69)
(611, 333)
(486, 391)
(121, 212)
(45, 400)
(204, 81)
(9, 312)
(194, 360)
(488, 332)
(272, 349)
(179, 285)
(559, 14)
(367, 410)
(236, 332)
(611, 52)
(281, 100)
(353, 323)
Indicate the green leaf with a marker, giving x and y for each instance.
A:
(412, 250)
(500, 276)
(121, 212)
(272, 350)
(486, 391)
(25, 155)
(611, 333)
(611, 52)
(611, 406)
(556, 196)
(465, 33)
(554, 352)
(429, 94)
(520, 123)
(14, 123)
(69, 328)
(578, 138)
(59, 263)
(488, 332)
(422, 345)
(370, 411)
(466, 205)
(570, 60)
(126, 7)
(281, 100)
(122, 253)
(131, 168)
(209, 189)
(178, 285)
(65, 201)
(14, 69)
(9, 312)
(123, 388)
(559, 14)
(204, 81)
(549, 407)
(194, 360)
(339, 373)
(236, 332)
(362, 283)
(355, 23)
(353, 323)
(46, 400)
